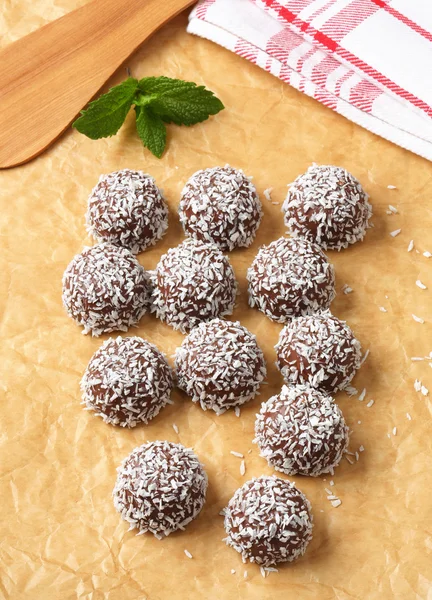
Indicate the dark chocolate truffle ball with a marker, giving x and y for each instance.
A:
(127, 382)
(105, 289)
(319, 350)
(268, 521)
(290, 278)
(328, 206)
(127, 208)
(160, 488)
(221, 206)
(220, 365)
(301, 431)
(193, 282)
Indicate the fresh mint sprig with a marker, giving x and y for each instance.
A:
(157, 100)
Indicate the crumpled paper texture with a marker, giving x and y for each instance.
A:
(60, 537)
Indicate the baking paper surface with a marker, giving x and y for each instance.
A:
(60, 537)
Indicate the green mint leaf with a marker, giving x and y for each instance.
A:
(151, 130)
(104, 116)
(180, 102)
(159, 85)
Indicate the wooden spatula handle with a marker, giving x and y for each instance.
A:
(47, 77)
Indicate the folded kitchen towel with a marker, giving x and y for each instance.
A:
(369, 60)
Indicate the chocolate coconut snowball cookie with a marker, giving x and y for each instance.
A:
(127, 382)
(301, 431)
(105, 289)
(328, 206)
(127, 208)
(290, 277)
(160, 488)
(221, 206)
(320, 350)
(193, 282)
(268, 521)
(220, 365)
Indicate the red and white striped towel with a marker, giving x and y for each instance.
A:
(369, 60)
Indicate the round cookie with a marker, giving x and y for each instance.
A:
(220, 365)
(220, 206)
(127, 208)
(127, 382)
(320, 350)
(193, 282)
(301, 431)
(268, 521)
(290, 277)
(105, 289)
(328, 206)
(160, 488)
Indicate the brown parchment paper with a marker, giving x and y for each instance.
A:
(60, 537)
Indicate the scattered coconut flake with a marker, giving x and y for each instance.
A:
(370, 403)
(424, 390)
(417, 385)
(393, 210)
(416, 358)
(382, 309)
(336, 503)
(233, 571)
(238, 454)
(332, 497)
(250, 451)
(395, 232)
(410, 245)
(242, 467)
(417, 319)
(267, 193)
(361, 449)
(237, 411)
(362, 395)
(350, 460)
(331, 482)
(351, 391)
(359, 422)
(275, 203)
(263, 571)
(188, 554)
(394, 431)
(389, 212)
(328, 492)
(427, 254)
(366, 354)
(271, 570)
(357, 455)
(421, 285)
(347, 289)
(176, 429)
(408, 416)
(391, 187)
(245, 575)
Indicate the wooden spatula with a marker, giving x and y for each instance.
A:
(47, 77)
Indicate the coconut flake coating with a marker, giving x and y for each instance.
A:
(105, 289)
(268, 521)
(328, 206)
(320, 350)
(301, 431)
(127, 208)
(221, 206)
(127, 382)
(193, 282)
(160, 488)
(290, 277)
(220, 365)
